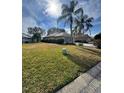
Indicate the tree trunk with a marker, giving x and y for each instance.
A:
(71, 33)
(71, 22)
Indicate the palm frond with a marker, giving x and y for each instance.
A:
(90, 19)
(80, 10)
(73, 4)
(64, 6)
(65, 9)
(76, 21)
(85, 17)
(90, 25)
(63, 17)
(67, 20)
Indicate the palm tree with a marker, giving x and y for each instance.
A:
(83, 23)
(68, 14)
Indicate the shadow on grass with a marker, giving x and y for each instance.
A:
(85, 65)
(91, 51)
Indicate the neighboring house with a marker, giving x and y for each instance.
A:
(83, 38)
(57, 36)
(26, 38)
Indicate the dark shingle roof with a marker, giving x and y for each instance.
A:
(26, 35)
(58, 34)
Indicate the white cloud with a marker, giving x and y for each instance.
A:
(50, 7)
(31, 10)
(67, 30)
(54, 8)
(42, 4)
(29, 22)
(92, 8)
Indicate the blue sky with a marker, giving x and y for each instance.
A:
(44, 13)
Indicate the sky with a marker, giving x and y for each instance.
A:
(44, 13)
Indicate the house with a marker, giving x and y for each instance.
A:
(56, 35)
(83, 38)
(26, 38)
(62, 37)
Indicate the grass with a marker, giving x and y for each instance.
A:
(46, 69)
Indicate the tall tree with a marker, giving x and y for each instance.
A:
(68, 13)
(83, 23)
(36, 32)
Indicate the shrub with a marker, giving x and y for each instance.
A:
(97, 40)
(97, 43)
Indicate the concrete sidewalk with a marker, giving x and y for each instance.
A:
(89, 82)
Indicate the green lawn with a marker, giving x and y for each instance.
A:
(46, 69)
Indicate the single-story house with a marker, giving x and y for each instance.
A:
(26, 38)
(83, 38)
(58, 37)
